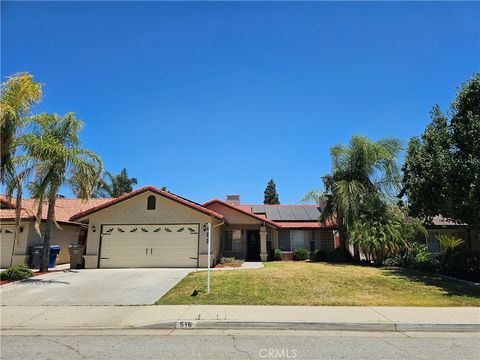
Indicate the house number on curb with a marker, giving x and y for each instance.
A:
(186, 324)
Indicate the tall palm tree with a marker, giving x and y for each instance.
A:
(18, 94)
(54, 148)
(363, 169)
(115, 185)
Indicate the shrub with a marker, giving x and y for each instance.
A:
(276, 255)
(300, 254)
(320, 255)
(392, 262)
(338, 256)
(229, 260)
(16, 272)
(463, 264)
(410, 257)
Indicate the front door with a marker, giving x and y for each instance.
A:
(253, 245)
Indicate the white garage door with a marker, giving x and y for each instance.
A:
(6, 246)
(149, 245)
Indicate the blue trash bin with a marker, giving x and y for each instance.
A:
(52, 259)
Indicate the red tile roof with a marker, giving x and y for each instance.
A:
(64, 208)
(129, 195)
(305, 225)
(240, 209)
(247, 209)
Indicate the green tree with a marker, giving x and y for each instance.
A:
(442, 167)
(427, 168)
(363, 171)
(115, 185)
(270, 194)
(18, 94)
(54, 148)
(463, 204)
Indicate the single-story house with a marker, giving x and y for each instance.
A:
(150, 227)
(442, 226)
(68, 232)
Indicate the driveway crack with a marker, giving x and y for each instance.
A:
(34, 317)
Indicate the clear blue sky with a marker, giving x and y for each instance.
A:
(216, 98)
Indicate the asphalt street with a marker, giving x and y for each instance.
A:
(239, 344)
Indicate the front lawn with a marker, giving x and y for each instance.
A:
(300, 283)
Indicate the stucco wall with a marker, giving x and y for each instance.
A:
(134, 211)
(29, 237)
(233, 216)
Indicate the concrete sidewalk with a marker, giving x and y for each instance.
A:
(241, 317)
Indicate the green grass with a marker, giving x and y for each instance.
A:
(301, 283)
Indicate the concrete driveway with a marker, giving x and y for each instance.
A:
(93, 287)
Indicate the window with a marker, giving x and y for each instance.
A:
(232, 241)
(284, 240)
(227, 242)
(297, 238)
(289, 240)
(151, 202)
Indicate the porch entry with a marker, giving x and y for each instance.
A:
(253, 245)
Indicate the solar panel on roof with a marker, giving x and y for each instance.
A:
(286, 213)
(300, 213)
(258, 209)
(313, 213)
(272, 213)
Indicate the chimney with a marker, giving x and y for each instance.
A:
(233, 199)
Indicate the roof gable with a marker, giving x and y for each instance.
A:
(240, 210)
(142, 190)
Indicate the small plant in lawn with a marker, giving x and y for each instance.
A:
(300, 254)
(16, 272)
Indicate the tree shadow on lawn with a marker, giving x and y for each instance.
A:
(450, 286)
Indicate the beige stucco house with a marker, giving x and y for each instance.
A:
(153, 228)
(68, 232)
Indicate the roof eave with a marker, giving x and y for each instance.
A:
(85, 214)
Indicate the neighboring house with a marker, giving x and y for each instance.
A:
(69, 232)
(441, 226)
(149, 227)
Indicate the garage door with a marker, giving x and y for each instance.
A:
(6, 246)
(149, 245)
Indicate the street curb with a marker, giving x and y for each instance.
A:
(316, 326)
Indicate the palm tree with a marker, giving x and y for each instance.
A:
(364, 168)
(115, 185)
(54, 148)
(17, 96)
